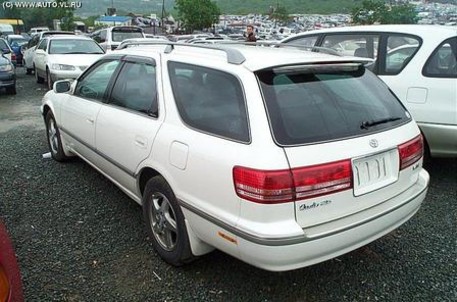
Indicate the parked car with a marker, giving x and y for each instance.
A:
(64, 57)
(110, 38)
(16, 42)
(7, 51)
(28, 51)
(36, 30)
(418, 62)
(7, 75)
(279, 157)
(10, 275)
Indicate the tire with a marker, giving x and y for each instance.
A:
(11, 90)
(49, 79)
(165, 222)
(39, 79)
(54, 140)
(28, 70)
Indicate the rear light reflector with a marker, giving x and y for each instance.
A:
(270, 187)
(322, 179)
(411, 151)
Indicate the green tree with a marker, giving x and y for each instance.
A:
(280, 14)
(197, 14)
(377, 11)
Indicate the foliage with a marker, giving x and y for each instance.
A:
(280, 14)
(197, 14)
(377, 11)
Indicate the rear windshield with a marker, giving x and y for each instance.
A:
(317, 103)
(120, 34)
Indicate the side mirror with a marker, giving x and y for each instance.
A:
(61, 86)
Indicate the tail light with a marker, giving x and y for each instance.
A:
(270, 187)
(411, 151)
(4, 285)
(13, 57)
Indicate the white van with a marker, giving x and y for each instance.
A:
(35, 30)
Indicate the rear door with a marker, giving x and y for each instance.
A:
(128, 123)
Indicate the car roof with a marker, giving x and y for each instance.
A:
(250, 56)
(424, 31)
(67, 37)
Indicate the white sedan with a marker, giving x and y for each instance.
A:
(417, 62)
(64, 57)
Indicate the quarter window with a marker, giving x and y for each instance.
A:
(210, 100)
(400, 51)
(135, 88)
(443, 61)
(94, 83)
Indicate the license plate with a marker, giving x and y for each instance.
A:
(374, 172)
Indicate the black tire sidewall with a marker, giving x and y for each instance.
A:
(182, 253)
(59, 155)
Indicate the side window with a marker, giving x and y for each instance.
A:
(209, 100)
(94, 83)
(443, 61)
(357, 45)
(102, 36)
(43, 44)
(400, 50)
(308, 41)
(136, 88)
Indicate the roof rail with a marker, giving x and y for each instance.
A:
(234, 56)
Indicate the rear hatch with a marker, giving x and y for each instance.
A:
(120, 33)
(350, 143)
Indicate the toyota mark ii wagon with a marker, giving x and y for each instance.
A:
(279, 157)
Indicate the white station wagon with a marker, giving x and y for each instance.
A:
(279, 157)
(419, 64)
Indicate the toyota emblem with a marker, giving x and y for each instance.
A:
(374, 143)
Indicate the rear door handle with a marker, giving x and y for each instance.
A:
(90, 120)
(141, 142)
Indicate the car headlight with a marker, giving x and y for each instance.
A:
(62, 67)
(6, 67)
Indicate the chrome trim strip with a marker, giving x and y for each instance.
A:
(287, 240)
(110, 160)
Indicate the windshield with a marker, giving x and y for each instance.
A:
(121, 35)
(68, 46)
(317, 103)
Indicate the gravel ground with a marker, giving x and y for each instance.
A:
(79, 238)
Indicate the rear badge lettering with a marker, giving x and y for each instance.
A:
(304, 207)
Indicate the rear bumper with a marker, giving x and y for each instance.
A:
(7, 80)
(327, 245)
(441, 139)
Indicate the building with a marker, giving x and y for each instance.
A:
(106, 21)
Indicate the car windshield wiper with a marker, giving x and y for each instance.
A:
(368, 124)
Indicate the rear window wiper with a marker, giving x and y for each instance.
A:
(368, 124)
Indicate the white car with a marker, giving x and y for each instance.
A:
(7, 52)
(110, 38)
(64, 57)
(418, 62)
(279, 157)
(28, 51)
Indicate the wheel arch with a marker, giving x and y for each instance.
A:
(146, 174)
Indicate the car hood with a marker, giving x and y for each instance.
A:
(74, 59)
